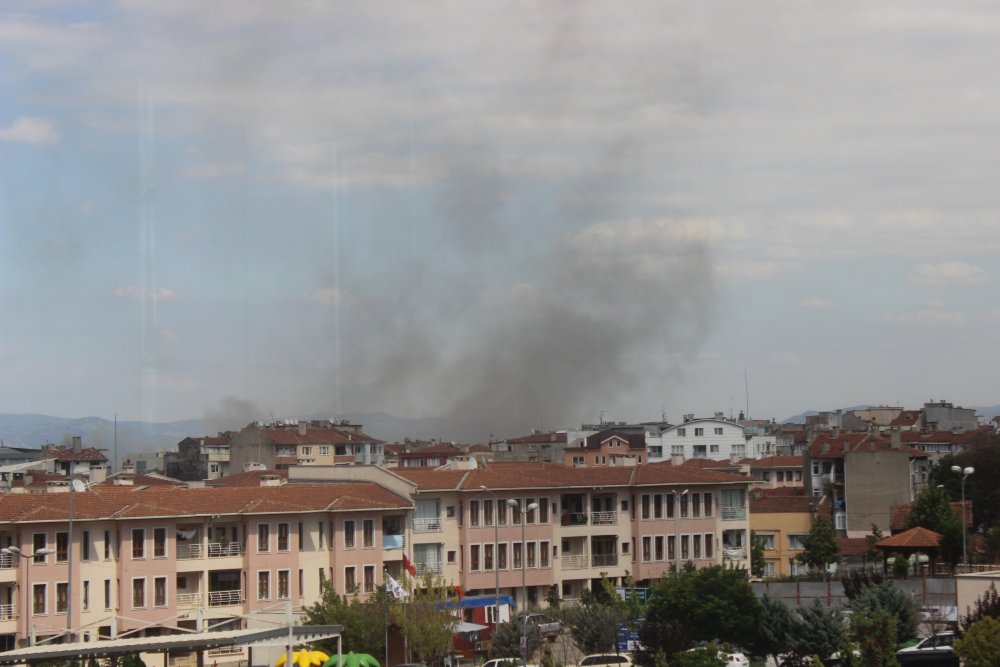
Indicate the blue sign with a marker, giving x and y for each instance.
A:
(628, 639)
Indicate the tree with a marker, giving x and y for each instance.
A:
(705, 656)
(871, 553)
(594, 628)
(932, 510)
(773, 628)
(757, 564)
(817, 630)
(875, 632)
(706, 604)
(423, 618)
(986, 605)
(820, 547)
(897, 602)
(856, 581)
(364, 622)
(506, 639)
(992, 544)
(980, 646)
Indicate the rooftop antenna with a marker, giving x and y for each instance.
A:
(746, 386)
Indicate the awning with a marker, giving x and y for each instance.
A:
(475, 602)
(196, 641)
(464, 628)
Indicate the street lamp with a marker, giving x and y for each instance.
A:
(524, 589)
(496, 551)
(964, 472)
(17, 553)
(677, 529)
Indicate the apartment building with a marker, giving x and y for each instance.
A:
(781, 519)
(715, 438)
(287, 443)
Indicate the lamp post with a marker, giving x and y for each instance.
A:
(17, 553)
(964, 472)
(524, 588)
(496, 551)
(677, 529)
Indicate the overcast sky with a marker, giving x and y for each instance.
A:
(513, 215)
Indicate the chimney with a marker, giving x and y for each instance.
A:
(676, 459)
(894, 438)
(303, 427)
(836, 431)
(76, 444)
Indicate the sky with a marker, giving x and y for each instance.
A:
(506, 215)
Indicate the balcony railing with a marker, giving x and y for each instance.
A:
(603, 560)
(426, 525)
(7, 561)
(574, 519)
(224, 549)
(224, 598)
(603, 518)
(429, 568)
(734, 513)
(393, 541)
(189, 599)
(8, 612)
(734, 553)
(190, 551)
(574, 562)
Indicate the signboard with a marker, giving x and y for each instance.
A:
(641, 594)
(628, 640)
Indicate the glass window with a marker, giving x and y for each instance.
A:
(709, 545)
(473, 512)
(369, 575)
(349, 534)
(685, 553)
(350, 580)
(138, 593)
(531, 554)
(671, 547)
(283, 532)
(138, 543)
(474, 557)
(38, 597)
(708, 504)
(695, 504)
(658, 547)
(501, 512)
(86, 595)
(284, 584)
(516, 546)
(531, 516)
(645, 506)
(543, 510)
(543, 553)
(718, 430)
(684, 506)
(263, 539)
(487, 556)
(796, 542)
(502, 556)
(699, 431)
(368, 533)
(681, 432)
(159, 543)
(647, 549)
(487, 512)
(62, 547)
(62, 597)
(160, 592)
(658, 506)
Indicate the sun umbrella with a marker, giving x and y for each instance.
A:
(304, 658)
(353, 659)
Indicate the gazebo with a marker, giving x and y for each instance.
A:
(912, 541)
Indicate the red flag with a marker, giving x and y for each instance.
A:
(458, 592)
(408, 566)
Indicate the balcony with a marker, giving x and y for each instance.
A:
(574, 519)
(393, 542)
(189, 600)
(734, 553)
(8, 612)
(189, 551)
(426, 525)
(604, 518)
(224, 549)
(225, 598)
(604, 560)
(733, 513)
(574, 562)
(428, 568)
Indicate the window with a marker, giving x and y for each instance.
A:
(85, 546)
(107, 594)
(677, 450)
(709, 545)
(658, 547)
(543, 553)
(531, 554)
(350, 580)
(708, 504)
(740, 450)
(86, 595)
(264, 585)
(138, 593)
(696, 545)
(473, 512)
(684, 506)
(681, 432)
(487, 556)
(451, 556)
(501, 513)
(516, 547)
(530, 516)
(502, 556)
(796, 542)
(62, 547)
(159, 543)
(714, 449)
(369, 578)
(695, 504)
(718, 430)
(700, 452)
(283, 530)
(543, 510)
(766, 541)
(657, 506)
(107, 545)
(322, 534)
(160, 592)
(302, 582)
(307, 451)
(671, 547)
(645, 506)
(138, 544)
(302, 537)
(263, 539)
(770, 568)
(474, 557)
(38, 597)
(670, 505)
(766, 476)
(368, 533)
(62, 597)
(699, 431)
(487, 512)
(685, 552)
(324, 450)
(349, 534)
(647, 543)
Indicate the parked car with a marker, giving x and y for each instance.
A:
(734, 659)
(505, 662)
(546, 626)
(607, 660)
(936, 650)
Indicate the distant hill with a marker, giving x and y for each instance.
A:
(30, 430)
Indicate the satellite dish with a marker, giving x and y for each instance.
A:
(78, 485)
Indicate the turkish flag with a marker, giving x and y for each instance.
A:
(458, 592)
(408, 566)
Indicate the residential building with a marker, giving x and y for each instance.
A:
(287, 443)
(607, 448)
(714, 438)
(198, 458)
(76, 460)
(545, 446)
(776, 471)
(781, 519)
(430, 456)
(944, 416)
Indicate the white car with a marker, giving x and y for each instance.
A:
(734, 659)
(607, 660)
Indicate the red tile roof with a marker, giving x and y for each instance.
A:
(906, 418)
(538, 438)
(900, 513)
(251, 478)
(776, 462)
(787, 504)
(830, 446)
(67, 454)
(914, 538)
(315, 436)
(852, 546)
(433, 450)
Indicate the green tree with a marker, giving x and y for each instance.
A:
(875, 633)
(817, 630)
(506, 639)
(757, 564)
(897, 602)
(364, 622)
(704, 656)
(423, 618)
(980, 646)
(594, 628)
(706, 604)
(988, 604)
(932, 510)
(820, 547)
(773, 628)
(871, 552)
